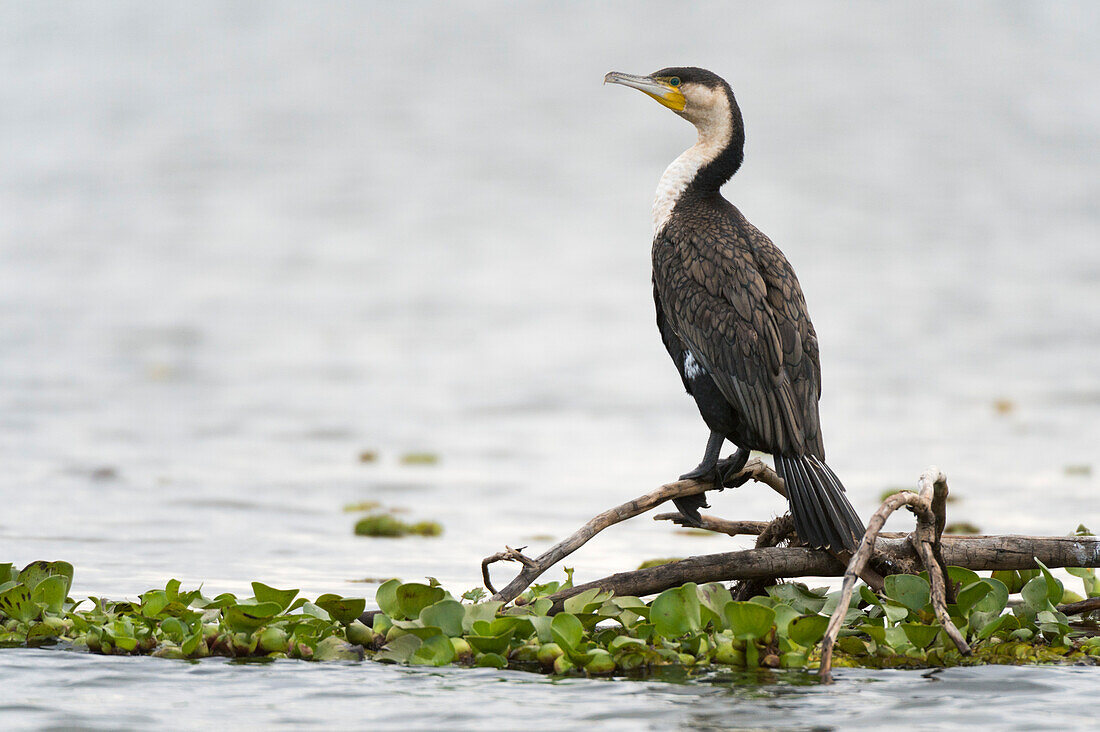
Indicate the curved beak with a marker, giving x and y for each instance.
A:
(667, 95)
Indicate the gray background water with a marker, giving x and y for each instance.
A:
(241, 243)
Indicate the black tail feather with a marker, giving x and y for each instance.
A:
(823, 517)
(816, 514)
(794, 500)
(850, 517)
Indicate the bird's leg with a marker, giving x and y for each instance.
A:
(689, 505)
(710, 458)
(731, 466)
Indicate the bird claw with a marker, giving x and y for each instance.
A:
(689, 509)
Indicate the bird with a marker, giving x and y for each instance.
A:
(733, 317)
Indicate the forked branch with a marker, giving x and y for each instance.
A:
(533, 568)
(925, 540)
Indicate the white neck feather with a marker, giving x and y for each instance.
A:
(715, 130)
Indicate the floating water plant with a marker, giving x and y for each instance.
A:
(419, 458)
(386, 525)
(945, 616)
(693, 628)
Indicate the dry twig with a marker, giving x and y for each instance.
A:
(1092, 604)
(754, 470)
(979, 553)
(926, 542)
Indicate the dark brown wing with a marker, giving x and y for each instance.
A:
(672, 342)
(732, 298)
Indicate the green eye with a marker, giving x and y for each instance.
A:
(674, 81)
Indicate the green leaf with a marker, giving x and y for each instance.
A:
(447, 615)
(246, 618)
(971, 595)
(784, 614)
(1035, 594)
(578, 603)
(40, 633)
(153, 602)
(919, 635)
(992, 626)
(35, 572)
(877, 633)
(1089, 580)
(567, 631)
(491, 643)
(174, 629)
(191, 644)
(895, 612)
(897, 639)
(344, 610)
(541, 624)
(798, 596)
(807, 630)
(491, 660)
(676, 612)
(414, 597)
(435, 651)
(1010, 578)
(868, 596)
(5, 572)
(714, 596)
(961, 576)
(222, 601)
(483, 611)
(907, 589)
(386, 598)
(475, 595)
(16, 602)
(996, 600)
(748, 620)
(1054, 585)
(50, 592)
(625, 642)
(265, 593)
(400, 649)
(314, 611)
(418, 630)
(334, 648)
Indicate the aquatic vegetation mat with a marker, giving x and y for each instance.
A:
(692, 629)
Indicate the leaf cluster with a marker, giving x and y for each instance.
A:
(35, 610)
(689, 630)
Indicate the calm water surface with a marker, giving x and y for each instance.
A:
(241, 244)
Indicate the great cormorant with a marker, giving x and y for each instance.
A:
(733, 318)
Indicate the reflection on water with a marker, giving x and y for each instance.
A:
(241, 245)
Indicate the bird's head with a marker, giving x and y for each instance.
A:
(699, 96)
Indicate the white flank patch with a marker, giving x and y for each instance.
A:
(692, 369)
(709, 111)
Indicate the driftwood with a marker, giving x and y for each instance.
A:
(925, 548)
(979, 553)
(533, 568)
(929, 507)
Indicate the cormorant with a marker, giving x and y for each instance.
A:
(733, 318)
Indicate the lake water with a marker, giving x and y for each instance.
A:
(240, 244)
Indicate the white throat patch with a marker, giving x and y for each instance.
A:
(715, 127)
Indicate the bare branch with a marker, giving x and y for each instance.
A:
(979, 553)
(1080, 608)
(717, 525)
(754, 470)
(933, 489)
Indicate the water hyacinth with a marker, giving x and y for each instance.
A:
(688, 630)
